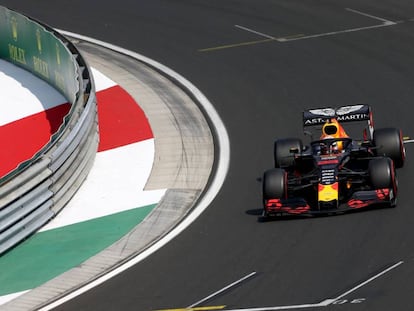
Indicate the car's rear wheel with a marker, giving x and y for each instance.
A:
(389, 143)
(284, 151)
(381, 172)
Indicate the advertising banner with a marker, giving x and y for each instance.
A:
(31, 46)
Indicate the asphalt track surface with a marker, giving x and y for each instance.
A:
(261, 63)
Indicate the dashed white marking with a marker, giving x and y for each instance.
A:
(222, 290)
(291, 307)
(333, 33)
(255, 32)
(385, 23)
(388, 22)
(369, 280)
(326, 302)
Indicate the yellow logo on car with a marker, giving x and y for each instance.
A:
(328, 193)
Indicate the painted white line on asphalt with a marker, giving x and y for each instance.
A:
(215, 186)
(368, 281)
(222, 290)
(332, 33)
(291, 307)
(326, 302)
(388, 22)
(255, 32)
(385, 23)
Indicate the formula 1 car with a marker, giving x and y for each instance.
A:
(334, 173)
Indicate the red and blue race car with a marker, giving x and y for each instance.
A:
(334, 172)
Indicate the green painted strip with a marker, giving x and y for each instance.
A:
(47, 254)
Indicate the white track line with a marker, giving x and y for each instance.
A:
(326, 302)
(255, 32)
(388, 22)
(385, 23)
(291, 307)
(215, 186)
(222, 290)
(368, 281)
(326, 34)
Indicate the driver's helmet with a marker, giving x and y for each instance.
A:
(332, 129)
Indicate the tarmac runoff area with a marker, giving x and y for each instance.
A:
(152, 168)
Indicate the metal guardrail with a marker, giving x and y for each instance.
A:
(38, 189)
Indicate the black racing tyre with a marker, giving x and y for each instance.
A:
(382, 174)
(274, 184)
(389, 143)
(283, 155)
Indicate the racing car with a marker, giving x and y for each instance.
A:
(338, 170)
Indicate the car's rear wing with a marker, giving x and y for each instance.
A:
(313, 119)
(343, 114)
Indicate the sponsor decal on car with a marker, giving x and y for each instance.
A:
(328, 193)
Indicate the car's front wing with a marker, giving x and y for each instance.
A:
(299, 206)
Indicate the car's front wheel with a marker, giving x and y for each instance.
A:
(382, 176)
(274, 184)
